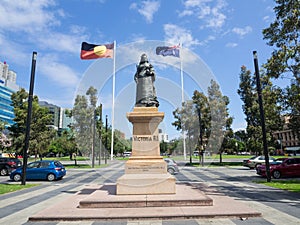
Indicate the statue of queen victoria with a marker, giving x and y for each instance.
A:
(144, 78)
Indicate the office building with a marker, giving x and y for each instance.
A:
(64, 121)
(54, 110)
(8, 86)
(59, 119)
(162, 137)
(287, 138)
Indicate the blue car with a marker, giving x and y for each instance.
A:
(41, 170)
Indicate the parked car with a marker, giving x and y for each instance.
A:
(41, 170)
(254, 161)
(8, 164)
(126, 154)
(196, 153)
(283, 167)
(172, 167)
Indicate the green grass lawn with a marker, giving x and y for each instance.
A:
(84, 166)
(289, 185)
(65, 158)
(6, 188)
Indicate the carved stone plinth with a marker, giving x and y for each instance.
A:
(145, 171)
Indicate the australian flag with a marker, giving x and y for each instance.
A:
(168, 51)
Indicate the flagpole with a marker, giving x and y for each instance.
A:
(113, 105)
(182, 101)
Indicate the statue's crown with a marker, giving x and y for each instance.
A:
(144, 58)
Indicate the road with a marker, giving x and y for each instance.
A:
(276, 206)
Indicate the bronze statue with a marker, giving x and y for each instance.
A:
(144, 78)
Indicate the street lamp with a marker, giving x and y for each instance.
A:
(105, 157)
(262, 116)
(99, 126)
(201, 150)
(94, 137)
(27, 132)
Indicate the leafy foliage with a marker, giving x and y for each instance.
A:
(40, 133)
(284, 35)
(83, 118)
(272, 109)
(211, 113)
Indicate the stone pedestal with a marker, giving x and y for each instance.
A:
(145, 171)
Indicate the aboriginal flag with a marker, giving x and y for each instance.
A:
(91, 51)
(168, 51)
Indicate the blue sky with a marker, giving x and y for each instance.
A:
(223, 33)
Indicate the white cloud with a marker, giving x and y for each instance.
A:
(231, 45)
(21, 18)
(217, 19)
(138, 37)
(194, 3)
(60, 42)
(34, 20)
(186, 13)
(9, 51)
(147, 9)
(242, 31)
(58, 72)
(208, 11)
(27, 15)
(175, 35)
(208, 39)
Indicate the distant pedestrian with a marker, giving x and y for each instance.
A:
(74, 157)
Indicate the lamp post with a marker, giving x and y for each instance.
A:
(27, 132)
(262, 117)
(201, 150)
(105, 158)
(100, 130)
(94, 137)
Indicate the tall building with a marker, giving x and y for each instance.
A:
(65, 121)
(59, 118)
(286, 138)
(162, 137)
(8, 86)
(54, 110)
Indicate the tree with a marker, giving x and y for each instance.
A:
(64, 144)
(292, 101)
(85, 114)
(204, 117)
(220, 119)
(40, 133)
(241, 138)
(120, 143)
(5, 142)
(92, 93)
(215, 121)
(82, 125)
(2, 125)
(175, 146)
(272, 109)
(186, 121)
(284, 35)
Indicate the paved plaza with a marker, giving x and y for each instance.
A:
(276, 206)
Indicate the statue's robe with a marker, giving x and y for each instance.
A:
(145, 91)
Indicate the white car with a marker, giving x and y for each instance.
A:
(254, 161)
(126, 154)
